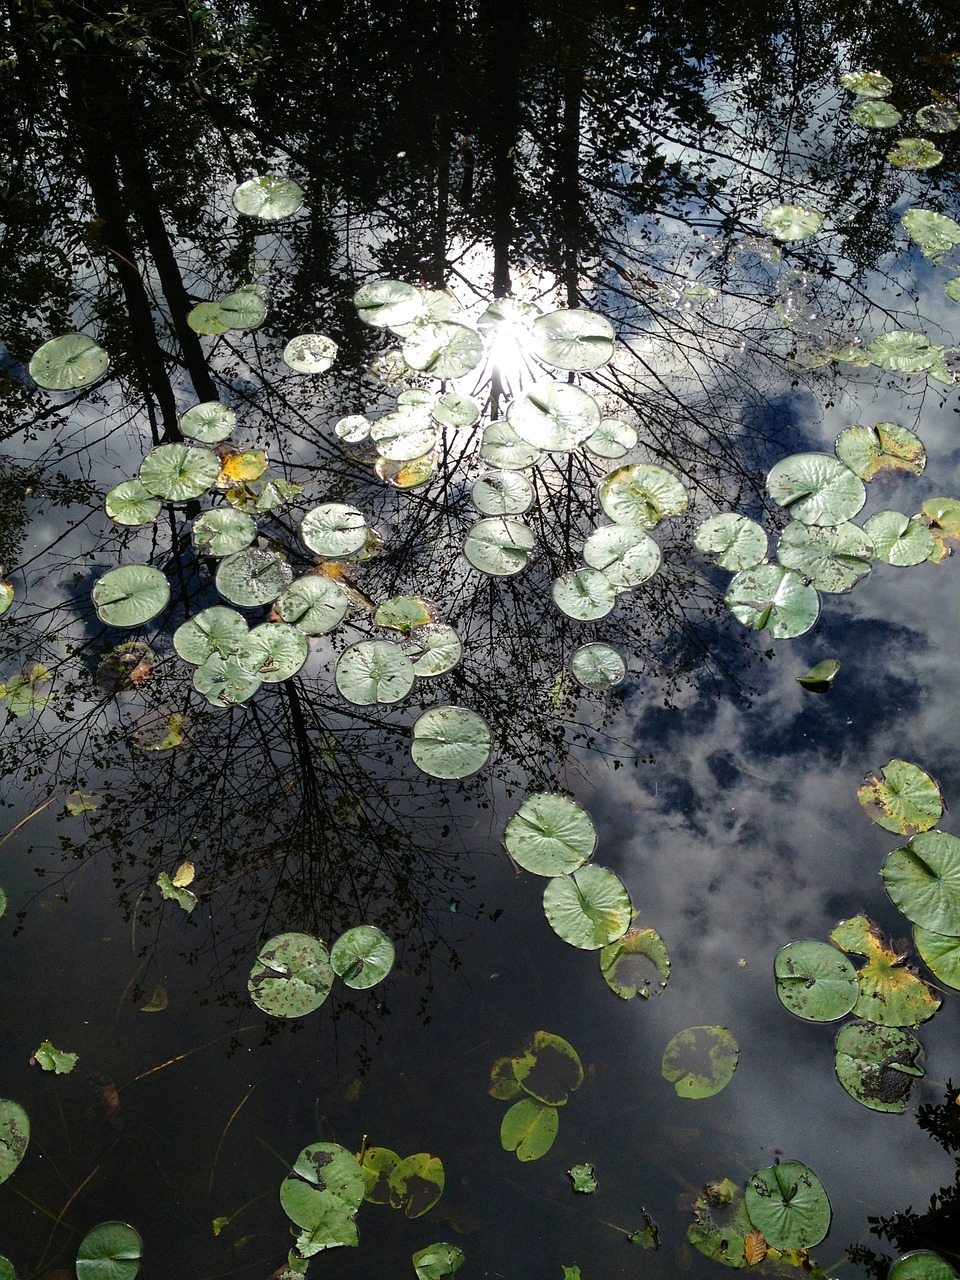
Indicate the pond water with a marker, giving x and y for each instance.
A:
(656, 170)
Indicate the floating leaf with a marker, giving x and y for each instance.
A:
(374, 671)
(269, 196)
(443, 349)
(875, 113)
(935, 233)
(884, 447)
(160, 731)
(816, 489)
(68, 363)
(499, 546)
(503, 1079)
(272, 652)
(238, 468)
(550, 835)
(774, 599)
(209, 422)
(700, 1061)
(584, 594)
(788, 1204)
(641, 495)
(253, 576)
(377, 1165)
(502, 493)
(754, 1248)
(157, 1002)
(597, 666)
(903, 351)
(223, 682)
(334, 529)
(322, 1195)
(244, 309)
(6, 597)
(624, 554)
(898, 539)
(866, 84)
(310, 353)
(131, 504)
(183, 897)
(831, 559)
(815, 981)
(437, 1260)
(555, 416)
(56, 1060)
(111, 1251)
(450, 742)
(732, 541)
(612, 439)
(588, 908)
(387, 302)
(362, 956)
(222, 531)
(906, 801)
(416, 1184)
(291, 977)
(914, 153)
(205, 318)
(792, 222)
(548, 1068)
(721, 1224)
(636, 964)
(217, 630)
(433, 649)
(314, 604)
(878, 1065)
(940, 953)
(921, 1264)
(502, 447)
(179, 472)
(27, 692)
(890, 993)
(406, 475)
(923, 881)
(529, 1129)
(403, 613)
(584, 1178)
(575, 339)
(943, 517)
(82, 802)
(820, 676)
(14, 1136)
(937, 118)
(647, 1236)
(130, 596)
(455, 410)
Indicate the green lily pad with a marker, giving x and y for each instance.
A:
(321, 1195)
(774, 599)
(455, 410)
(291, 977)
(700, 1061)
(923, 881)
(253, 576)
(269, 196)
(555, 416)
(111, 1251)
(907, 800)
(921, 1264)
(215, 630)
(597, 666)
(588, 908)
(820, 676)
(376, 1166)
(898, 539)
(433, 649)
(6, 597)
(205, 318)
(374, 671)
(443, 349)
(641, 495)
(612, 439)
(875, 113)
(550, 835)
(314, 604)
(903, 351)
(131, 504)
(416, 1184)
(222, 531)
(529, 1129)
(584, 594)
(935, 233)
(584, 1178)
(625, 555)
(502, 447)
(788, 1203)
(937, 118)
(310, 353)
(437, 1260)
(815, 981)
(943, 518)
(503, 1080)
(915, 153)
(179, 472)
(732, 541)
(867, 84)
(548, 1068)
(223, 682)
(940, 953)
(721, 1224)
(816, 489)
(450, 742)
(636, 964)
(68, 363)
(14, 1136)
(334, 530)
(273, 652)
(27, 691)
(131, 595)
(878, 1065)
(499, 546)
(387, 302)
(792, 222)
(244, 309)
(405, 435)
(831, 559)
(362, 957)
(502, 493)
(209, 422)
(182, 896)
(403, 613)
(890, 992)
(576, 339)
(884, 447)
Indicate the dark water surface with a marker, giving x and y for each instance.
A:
(622, 160)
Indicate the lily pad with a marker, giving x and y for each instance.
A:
(898, 539)
(179, 894)
(550, 835)
(815, 981)
(179, 472)
(903, 351)
(387, 302)
(597, 666)
(624, 554)
(921, 1264)
(443, 349)
(455, 410)
(923, 881)
(362, 957)
(878, 1065)
(502, 447)
(130, 503)
(636, 964)
(314, 604)
(321, 1195)
(14, 1136)
(732, 541)
(816, 489)
(642, 495)
(788, 1203)
(437, 1260)
(588, 908)
(291, 977)
(253, 576)
(584, 594)
(416, 1184)
(867, 84)
(529, 1129)
(269, 196)
(937, 118)
(111, 1251)
(943, 517)
(907, 800)
(875, 113)
(433, 649)
(374, 671)
(890, 992)
(867, 450)
(376, 1166)
(403, 613)
(612, 439)
(310, 353)
(792, 222)
(222, 531)
(576, 339)
(721, 1224)
(450, 742)
(915, 153)
(548, 1068)
(935, 233)
(584, 1178)
(68, 363)
(131, 595)
(405, 435)
(774, 599)
(499, 546)
(244, 309)
(700, 1061)
(209, 422)
(502, 493)
(216, 630)
(832, 559)
(820, 676)
(6, 597)
(273, 652)
(940, 953)
(334, 530)
(223, 682)
(555, 416)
